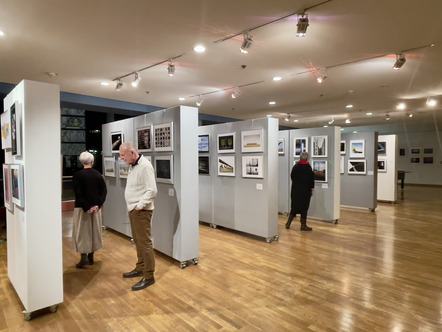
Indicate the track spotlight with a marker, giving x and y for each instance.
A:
(236, 93)
(331, 121)
(302, 25)
(119, 85)
(347, 121)
(200, 101)
(431, 102)
(387, 117)
(401, 106)
(170, 69)
(287, 118)
(246, 44)
(400, 60)
(136, 80)
(321, 78)
(410, 115)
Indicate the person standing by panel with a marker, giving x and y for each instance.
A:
(90, 193)
(140, 193)
(303, 188)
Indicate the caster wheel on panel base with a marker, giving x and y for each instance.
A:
(195, 261)
(53, 308)
(334, 222)
(183, 265)
(213, 226)
(27, 316)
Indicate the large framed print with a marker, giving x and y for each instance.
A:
(163, 136)
(226, 165)
(382, 165)
(204, 165)
(17, 186)
(252, 167)
(164, 169)
(203, 143)
(123, 169)
(116, 140)
(15, 129)
(300, 144)
(6, 129)
(226, 143)
(320, 170)
(343, 147)
(357, 148)
(144, 139)
(357, 167)
(251, 141)
(382, 148)
(109, 166)
(7, 187)
(319, 146)
(281, 146)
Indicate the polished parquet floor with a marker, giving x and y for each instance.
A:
(378, 271)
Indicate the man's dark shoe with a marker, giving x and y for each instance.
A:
(143, 283)
(133, 274)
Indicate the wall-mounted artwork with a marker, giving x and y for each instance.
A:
(226, 165)
(163, 136)
(300, 145)
(281, 146)
(203, 143)
(382, 148)
(319, 146)
(356, 167)
(6, 129)
(252, 167)
(382, 165)
(342, 165)
(357, 148)
(251, 141)
(164, 169)
(226, 143)
(144, 139)
(402, 152)
(7, 187)
(415, 150)
(116, 141)
(343, 147)
(15, 129)
(415, 160)
(320, 170)
(428, 150)
(17, 185)
(427, 160)
(204, 165)
(109, 166)
(123, 169)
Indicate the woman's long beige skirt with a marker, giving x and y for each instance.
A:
(87, 231)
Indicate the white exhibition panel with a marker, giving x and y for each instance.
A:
(34, 231)
(387, 176)
(175, 219)
(241, 203)
(284, 168)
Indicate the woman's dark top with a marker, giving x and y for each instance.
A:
(90, 188)
(303, 182)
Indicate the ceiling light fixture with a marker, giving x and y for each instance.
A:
(387, 117)
(322, 78)
(272, 102)
(104, 83)
(2, 33)
(296, 120)
(302, 25)
(170, 69)
(200, 101)
(199, 49)
(347, 121)
(431, 102)
(400, 60)
(246, 44)
(349, 106)
(401, 106)
(369, 113)
(136, 80)
(236, 93)
(277, 78)
(119, 85)
(181, 98)
(287, 118)
(331, 121)
(410, 115)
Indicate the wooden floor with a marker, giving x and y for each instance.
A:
(378, 271)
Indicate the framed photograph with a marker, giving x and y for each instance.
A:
(163, 136)
(123, 169)
(382, 165)
(320, 170)
(426, 150)
(281, 146)
(6, 129)
(427, 160)
(164, 169)
(109, 166)
(17, 187)
(252, 167)
(226, 143)
(203, 143)
(382, 148)
(251, 141)
(226, 165)
(15, 129)
(343, 147)
(357, 167)
(402, 152)
(342, 165)
(144, 139)
(415, 160)
(116, 141)
(7, 187)
(300, 145)
(357, 148)
(415, 150)
(319, 146)
(204, 165)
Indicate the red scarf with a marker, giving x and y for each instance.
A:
(303, 162)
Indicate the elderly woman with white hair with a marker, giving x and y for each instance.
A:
(90, 194)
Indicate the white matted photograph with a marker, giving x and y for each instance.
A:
(251, 141)
(382, 165)
(109, 166)
(319, 146)
(116, 140)
(123, 169)
(226, 165)
(343, 147)
(342, 165)
(226, 143)
(252, 167)
(144, 139)
(357, 148)
(7, 187)
(320, 170)
(17, 185)
(164, 169)
(281, 146)
(6, 129)
(300, 145)
(163, 136)
(356, 167)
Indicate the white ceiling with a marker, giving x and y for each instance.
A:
(355, 41)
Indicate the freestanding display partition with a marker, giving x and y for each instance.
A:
(32, 163)
(387, 168)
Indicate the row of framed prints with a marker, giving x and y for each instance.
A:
(10, 129)
(318, 146)
(148, 138)
(252, 166)
(251, 141)
(163, 166)
(13, 186)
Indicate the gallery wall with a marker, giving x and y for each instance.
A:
(387, 168)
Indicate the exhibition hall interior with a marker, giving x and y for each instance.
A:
(222, 99)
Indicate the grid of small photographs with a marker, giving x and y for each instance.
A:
(163, 137)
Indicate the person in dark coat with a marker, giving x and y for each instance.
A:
(303, 187)
(90, 193)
